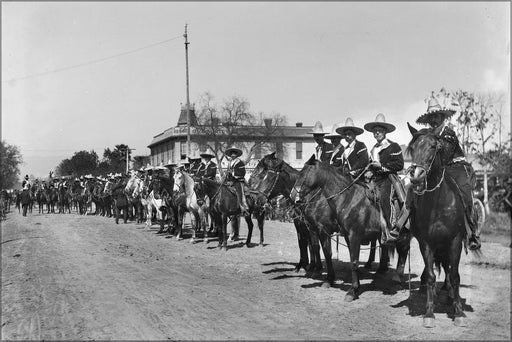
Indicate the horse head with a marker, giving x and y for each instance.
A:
(307, 180)
(179, 181)
(423, 148)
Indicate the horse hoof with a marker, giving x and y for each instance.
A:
(205, 240)
(349, 297)
(396, 279)
(326, 285)
(192, 240)
(460, 321)
(428, 322)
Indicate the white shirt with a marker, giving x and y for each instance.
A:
(377, 148)
(349, 149)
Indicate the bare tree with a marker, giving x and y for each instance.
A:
(478, 122)
(232, 124)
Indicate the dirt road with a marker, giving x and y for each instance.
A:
(74, 277)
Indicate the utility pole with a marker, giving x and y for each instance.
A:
(188, 99)
(128, 158)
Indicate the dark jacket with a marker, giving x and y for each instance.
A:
(236, 169)
(118, 195)
(337, 156)
(357, 159)
(391, 159)
(25, 197)
(325, 150)
(207, 170)
(450, 146)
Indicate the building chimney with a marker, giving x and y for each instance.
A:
(298, 124)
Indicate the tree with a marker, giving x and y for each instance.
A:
(231, 123)
(10, 161)
(81, 163)
(478, 121)
(116, 158)
(140, 161)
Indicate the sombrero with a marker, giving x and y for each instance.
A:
(349, 125)
(170, 164)
(443, 103)
(318, 129)
(207, 154)
(333, 133)
(380, 121)
(232, 149)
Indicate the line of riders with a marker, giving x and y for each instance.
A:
(377, 168)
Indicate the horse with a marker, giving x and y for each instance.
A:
(133, 189)
(42, 200)
(358, 215)
(170, 200)
(277, 178)
(183, 183)
(437, 221)
(63, 200)
(224, 205)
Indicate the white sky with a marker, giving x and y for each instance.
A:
(308, 61)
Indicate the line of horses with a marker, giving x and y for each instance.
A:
(324, 201)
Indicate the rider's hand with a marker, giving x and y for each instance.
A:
(368, 175)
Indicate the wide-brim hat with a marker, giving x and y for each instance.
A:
(207, 155)
(441, 104)
(333, 133)
(380, 121)
(170, 164)
(318, 129)
(349, 125)
(159, 168)
(232, 149)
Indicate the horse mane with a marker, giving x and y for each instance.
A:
(424, 131)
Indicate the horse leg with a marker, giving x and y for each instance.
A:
(428, 259)
(303, 239)
(371, 257)
(325, 240)
(223, 238)
(261, 221)
(315, 267)
(455, 252)
(250, 227)
(384, 259)
(354, 248)
(402, 246)
(194, 222)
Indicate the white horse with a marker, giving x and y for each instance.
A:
(183, 182)
(136, 187)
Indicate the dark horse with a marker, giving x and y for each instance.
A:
(437, 220)
(359, 217)
(277, 177)
(224, 204)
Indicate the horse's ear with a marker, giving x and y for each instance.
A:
(311, 160)
(412, 129)
(273, 155)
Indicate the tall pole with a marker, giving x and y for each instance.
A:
(128, 158)
(188, 99)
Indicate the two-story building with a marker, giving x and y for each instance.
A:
(295, 144)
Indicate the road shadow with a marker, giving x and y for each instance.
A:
(417, 301)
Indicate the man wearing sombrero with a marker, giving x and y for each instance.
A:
(386, 160)
(207, 169)
(236, 174)
(439, 109)
(338, 148)
(355, 156)
(323, 149)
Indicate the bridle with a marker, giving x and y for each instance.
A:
(427, 172)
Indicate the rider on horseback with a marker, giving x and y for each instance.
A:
(236, 173)
(338, 148)
(386, 160)
(323, 150)
(355, 156)
(207, 169)
(440, 109)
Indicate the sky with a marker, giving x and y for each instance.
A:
(90, 75)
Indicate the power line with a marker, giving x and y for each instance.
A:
(91, 62)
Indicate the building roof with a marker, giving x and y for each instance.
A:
(286, 132)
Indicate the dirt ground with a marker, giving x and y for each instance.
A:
(74, 277)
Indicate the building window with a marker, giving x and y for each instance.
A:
(298, 150)
(183, 149)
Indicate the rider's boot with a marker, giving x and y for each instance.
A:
(474, 239)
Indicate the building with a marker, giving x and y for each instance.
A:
(295, 144)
